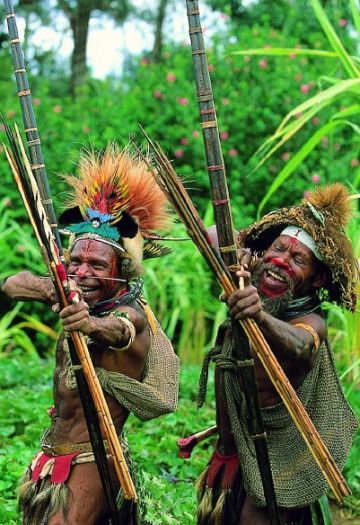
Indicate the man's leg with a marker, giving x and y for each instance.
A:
(87, 502)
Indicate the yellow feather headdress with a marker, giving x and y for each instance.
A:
(115, 199)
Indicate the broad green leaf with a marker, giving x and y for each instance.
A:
(356, 15)
(307, 110)
(294, 162)
(284, 51)
(334, 40)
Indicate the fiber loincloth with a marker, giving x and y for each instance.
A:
(43, 489)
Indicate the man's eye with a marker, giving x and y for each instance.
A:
(299, 261)
(278, 248)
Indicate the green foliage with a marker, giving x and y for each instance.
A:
(183, 294)
(25, 382)
(341, 91)
(26, 394)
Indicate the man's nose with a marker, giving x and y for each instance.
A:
(282, 261)
(82, 271)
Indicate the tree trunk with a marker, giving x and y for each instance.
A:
(156, 52)
(79, 21)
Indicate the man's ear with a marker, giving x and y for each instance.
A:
(323, 276)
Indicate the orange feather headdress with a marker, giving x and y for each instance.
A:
(116, 200)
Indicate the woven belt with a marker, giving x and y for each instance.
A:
(69, 448)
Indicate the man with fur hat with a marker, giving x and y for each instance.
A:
(292, 260)
(112, 214)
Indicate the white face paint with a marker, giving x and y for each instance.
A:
(302, 236)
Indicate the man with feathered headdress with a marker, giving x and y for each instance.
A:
(111, 217)
(293, 259)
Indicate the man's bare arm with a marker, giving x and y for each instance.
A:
(24, 286)
(285, 339)
(112, 330)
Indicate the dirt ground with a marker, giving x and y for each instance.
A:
(342, 516)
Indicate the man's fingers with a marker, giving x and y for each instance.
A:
(72, 309)
(55, 308)
(249, 312)
(244, 257)
(77, 316)
(245, 275)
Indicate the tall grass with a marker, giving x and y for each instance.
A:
(343, 89)
(183, 294)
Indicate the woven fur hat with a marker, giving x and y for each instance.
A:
(324, 215)
(116, 200)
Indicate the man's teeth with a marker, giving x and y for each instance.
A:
(276, 276)
(86, 290)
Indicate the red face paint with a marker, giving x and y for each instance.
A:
(280, 263)
(94, 264)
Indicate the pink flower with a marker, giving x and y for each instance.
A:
(298, 115)
(325, 141)
(304, 88)
(195, 133)
(211, 67)
(306, 194)
(183, 101)
(36, 101)
(10, 113)
(315, 178)
(86, 129)
(179, 153)
(224, 135)
(184, 141)
(233, 152)
(7, 203)
(292, 56)
(263, 64)
(315, 121)
(225, 101)
(170, 77)
(285, 156)
(298, 77)
(21, 248)
(354, 163)
(157, 94)
(342, 22)
(57, 109)
(144, 61)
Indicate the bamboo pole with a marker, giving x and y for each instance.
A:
(90, 390)
(29, 120)
(86, 390)
(177, 195)
(226, 238)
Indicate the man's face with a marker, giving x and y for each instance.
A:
(287, 270)
(94, 265)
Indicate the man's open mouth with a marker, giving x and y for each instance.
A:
(275, 276)
(87, 290)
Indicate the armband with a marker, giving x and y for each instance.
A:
(312, 332)
(124, 316)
